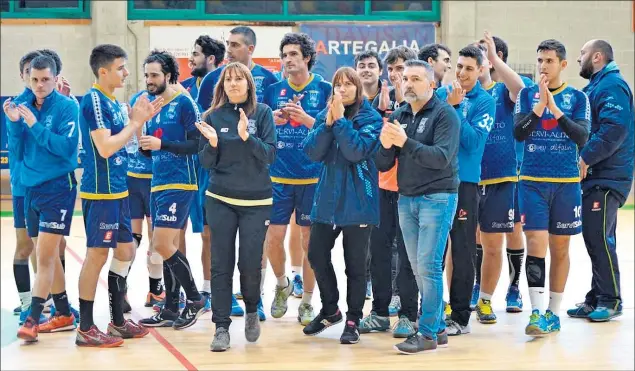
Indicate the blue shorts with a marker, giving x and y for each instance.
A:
(553, 207)
(198, 215)
(107, 222)
(19, 216)
(171, 208)
(516, 205)
(139, 197)
(49, 206)
(496, 207)
(288, 198)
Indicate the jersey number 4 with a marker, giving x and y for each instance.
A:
(172, 208)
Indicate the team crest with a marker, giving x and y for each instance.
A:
(566, 101)
(314, 98)
(172, 110)
(48, 121)
(251, 127)
(422, 125)
(258, 81)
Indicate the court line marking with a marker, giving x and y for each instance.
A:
(163, 341)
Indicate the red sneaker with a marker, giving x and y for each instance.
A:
(97, 339)
(129, 330)
(29, 330)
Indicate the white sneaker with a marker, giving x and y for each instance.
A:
(455, 329)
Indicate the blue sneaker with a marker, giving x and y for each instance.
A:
(369, 290)
(581, 310)
(403, 328)
(208, 301)
(25, 313)
(297, 286)
(261, 311)
(476, 290)
(514, 300)
(74, 311)
(395, 306)
(553, 321)
(537, 325)
(17, 311)
(604, 314)
(159, 306)
(237, 310)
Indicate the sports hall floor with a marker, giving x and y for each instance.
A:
(580, 345)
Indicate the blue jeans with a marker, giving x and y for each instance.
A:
(425, 223)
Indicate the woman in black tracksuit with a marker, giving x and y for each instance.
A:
(237, 146)
(344, 139)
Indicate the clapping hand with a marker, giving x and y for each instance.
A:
(208, 132)
(242, 126)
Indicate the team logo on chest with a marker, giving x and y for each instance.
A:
(48, 121)
(258, 82)
(422, 125)
(171, 114)
(314, 98)
(566, 101)
(251, 126)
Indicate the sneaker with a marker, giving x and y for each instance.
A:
(297, 286)
(152, 299)
(158, 306)
(96, 339)
(129, 330)
(582, 310)
(252, 327)
(126, 305)
(514, 300)
(28, 331)
(373, 322)
(17, 310)
(279, 306)
(537, 325)
(26, 313)
(403, 328)
(165, 318)
(395, 306)
(189, 315)
(415, 344)
(350, 335)
(454, 328)
(237, 310)
(74, 312)
(553, 321)
(58, 323)
(369, 290)
(208, 301)
(221, 340)
(261, 311)
(476, 290)
(484, 312)
(321, 323)
(305, 314)
(447, 309)
(239, 295)
(604, 314)
(442, 339)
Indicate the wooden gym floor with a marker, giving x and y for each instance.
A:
(282, 345)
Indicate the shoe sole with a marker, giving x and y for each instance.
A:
(27, 337)
(60, 329)
(161, 324)
(401, 336)
(217, 350)
(513, 309)
(331, 325)
(412, 353)
(348, 342)
(535, 332)
(198, 314)
(371, 331)
(113, 345)
(487, 321)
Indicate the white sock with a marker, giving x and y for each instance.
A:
(306, 298)
(296, 270)
(207, 286)
(283, 281)
(536, 298)
(484, 296)
(263, 273)
(555, 298)
(25, 300)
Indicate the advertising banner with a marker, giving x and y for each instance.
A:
(337, 44)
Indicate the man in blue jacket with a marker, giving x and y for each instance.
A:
(476, 110)
(606, 164)
(46, 130)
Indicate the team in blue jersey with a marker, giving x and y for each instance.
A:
(522, 155)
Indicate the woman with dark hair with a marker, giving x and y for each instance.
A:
(344, 139)
(237, 145)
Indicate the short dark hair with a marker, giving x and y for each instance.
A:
(472, 51)
(248, 34)
(501, 46)
(27, 58)
(420, 63)
(603, 47)
(56, 58)
(368, 54)
(167, 62)
(554, 45)
(400, 51)
(43, 62)
(103, 55)
(210, 47)
(306, 43)
(432, 51)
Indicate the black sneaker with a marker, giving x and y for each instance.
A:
(415, 344)
(189, 315)
(321, 322)
(350, 335)
(165, 318)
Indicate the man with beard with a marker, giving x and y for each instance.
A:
(437, 56)
(207, 55)
(172, 140)
(606, 162)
